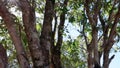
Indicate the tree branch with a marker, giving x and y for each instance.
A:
(88, 12)
(55, 26)
(111, 58)
(61, 26)
(113, 29)
(85, 34)
(112, 14)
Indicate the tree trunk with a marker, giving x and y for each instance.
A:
(90, 60)
(10, 24)
(56, 53)
(95, 45)
(28, 15)
(106, 58)
(46, 34)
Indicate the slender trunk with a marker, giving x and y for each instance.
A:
(56, 53)
(10, 24)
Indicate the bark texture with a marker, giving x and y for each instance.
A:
(10, 24)
(28, 17)
(46, 34)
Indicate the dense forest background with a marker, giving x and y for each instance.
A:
(59, 33)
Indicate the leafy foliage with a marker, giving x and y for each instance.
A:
(73, 54)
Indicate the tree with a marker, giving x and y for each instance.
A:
(41, 45)
(10, 24)
(56, 49)
(106, 24)
(99, 20)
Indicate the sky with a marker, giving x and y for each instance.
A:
(116, 61)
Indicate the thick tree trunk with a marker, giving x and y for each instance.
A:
(56, 58)
(95, 46)
(10, 24)
(36, 50)
(46, 34)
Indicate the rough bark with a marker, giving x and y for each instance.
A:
(28, 16)
(10, 24)
(46, 34)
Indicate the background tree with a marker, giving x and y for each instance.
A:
(94, 14)
(99, 24)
